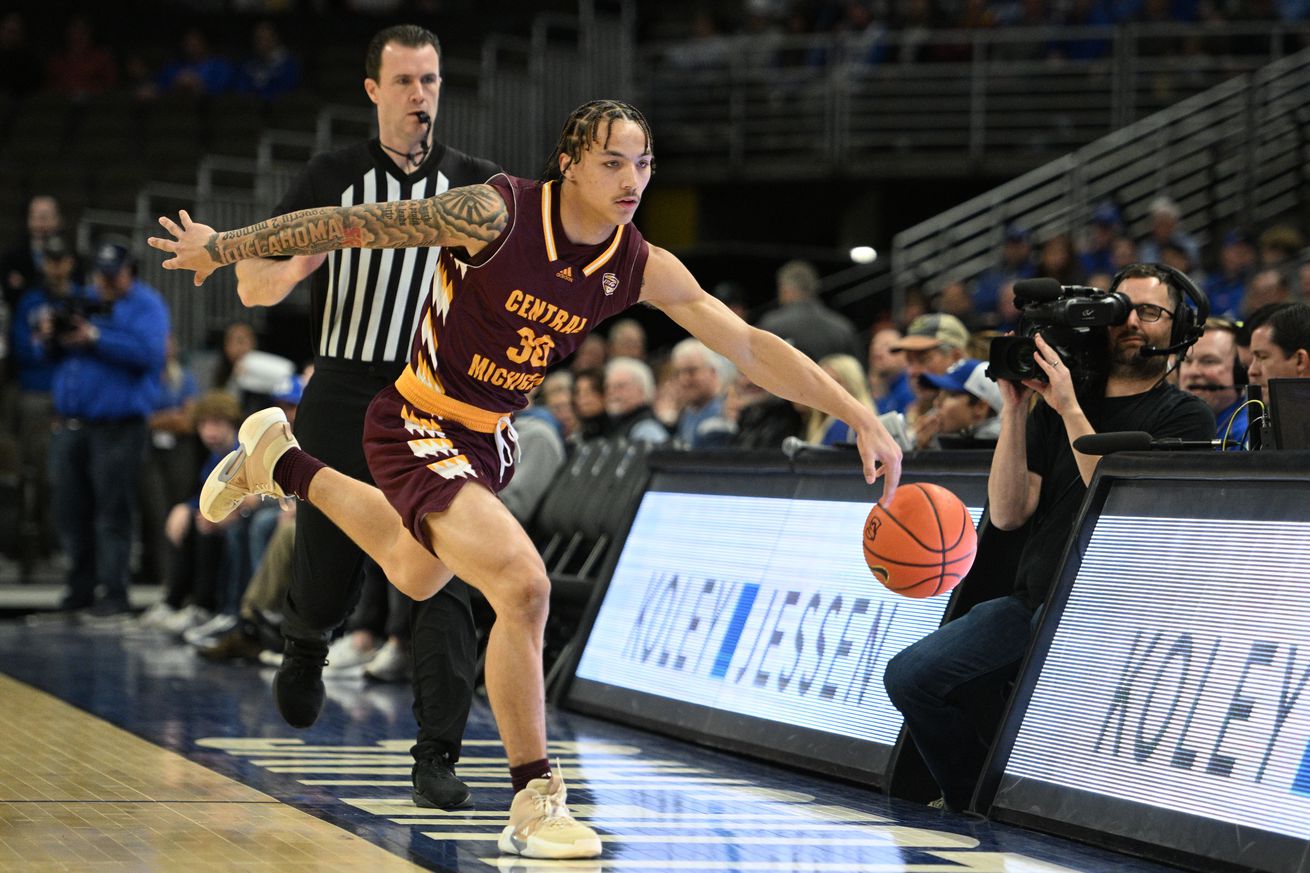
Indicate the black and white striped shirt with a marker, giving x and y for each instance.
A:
(365, 303)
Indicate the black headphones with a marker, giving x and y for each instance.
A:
(1189, 323)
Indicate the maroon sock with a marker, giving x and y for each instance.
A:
(293, 471)
(525, 773)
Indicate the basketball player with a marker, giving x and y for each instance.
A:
(951, 685)
(526, 270)
(364, 309)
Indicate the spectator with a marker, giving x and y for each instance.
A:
(203, 559)
(629, 393)
(1016, 264)
(964, 411)
(557, 397)
(701, 379)
(271, 70)
(802, 319)
(21, 263)
(1227, 286)
(196, 71)
(1279, 247)
(931, 345)
(83, 69)
(1058, 261)
(104, 388)
(171, 460)
(1266, 287)
(541, 454)
(1213, 372)
(825, 429)
(1280, 345)
(1123, 252)
(56, 296)
(955, 299)
(889, 383)
(1105, 226)
(590, 355)
(589, 404)
(1165, 228)
(627, 339)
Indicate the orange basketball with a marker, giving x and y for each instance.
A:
(923, 543)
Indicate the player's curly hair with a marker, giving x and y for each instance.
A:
(584, 127)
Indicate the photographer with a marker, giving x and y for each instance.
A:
(108, 356)
(56, 293)
(951, 686)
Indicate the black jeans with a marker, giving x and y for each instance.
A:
(94, 469)
(328, 568)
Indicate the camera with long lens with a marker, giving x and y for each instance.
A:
(1073, 319)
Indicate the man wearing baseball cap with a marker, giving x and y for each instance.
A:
(108, 365)
(965, 409)
(931, 344)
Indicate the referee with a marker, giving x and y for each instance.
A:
(365, 305)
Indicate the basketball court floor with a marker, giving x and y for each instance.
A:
(127, 753)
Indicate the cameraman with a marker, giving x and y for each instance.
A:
(108, 358)
(57, 292)
(951, 686)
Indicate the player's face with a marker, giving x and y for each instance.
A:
(613, 173)
(409, 82)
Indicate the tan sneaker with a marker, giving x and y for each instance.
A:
(540, 825)
(264, 437)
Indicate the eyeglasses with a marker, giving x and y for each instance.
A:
(1149, 312)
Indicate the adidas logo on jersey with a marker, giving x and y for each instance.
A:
(566, 274)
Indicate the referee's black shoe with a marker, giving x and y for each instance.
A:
(435, 784)
(298, 684)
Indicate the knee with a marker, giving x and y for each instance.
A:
(902, 678)
(416, 580)
(524, 596)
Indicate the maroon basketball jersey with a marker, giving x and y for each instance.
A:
(496, 321)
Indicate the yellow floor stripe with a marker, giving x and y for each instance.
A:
(77, 793)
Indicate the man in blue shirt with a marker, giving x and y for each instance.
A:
(108, 360)
(35, 367)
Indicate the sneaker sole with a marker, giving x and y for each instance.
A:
(534, 848)
(420, 800)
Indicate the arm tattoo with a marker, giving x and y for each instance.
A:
(458, 217)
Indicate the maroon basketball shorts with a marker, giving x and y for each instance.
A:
(420, 460)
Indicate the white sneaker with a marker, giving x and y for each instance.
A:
(154, 617)
(540, 825)
(203, 636)
(344, 660)
(390, 664)
(184, 619)
(264, 437)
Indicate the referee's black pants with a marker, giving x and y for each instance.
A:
(328, 570)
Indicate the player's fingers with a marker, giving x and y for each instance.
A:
(164, 245)
(169, 225)
(185, 219)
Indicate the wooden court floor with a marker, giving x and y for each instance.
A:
(127, 753)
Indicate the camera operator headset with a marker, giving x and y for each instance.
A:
(1189, 323)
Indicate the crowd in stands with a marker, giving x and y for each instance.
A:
(80, 66)
(869, 19)
(89, 364)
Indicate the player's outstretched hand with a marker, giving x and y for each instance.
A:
(877, 446)
(188, 246)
